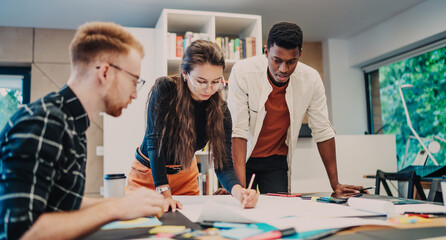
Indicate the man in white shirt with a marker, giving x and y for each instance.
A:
(269, 96)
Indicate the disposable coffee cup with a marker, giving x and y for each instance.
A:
(114, 185)
(443, 191)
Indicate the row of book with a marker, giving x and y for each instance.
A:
(177, 44)
(236, 48)
(233, 48)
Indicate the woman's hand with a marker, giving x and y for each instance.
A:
(247, 197)
(171, 203)
(221, 191)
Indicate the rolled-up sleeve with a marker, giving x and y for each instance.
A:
(321, 128)
(238, 104)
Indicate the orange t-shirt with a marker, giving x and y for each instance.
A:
(271, 140)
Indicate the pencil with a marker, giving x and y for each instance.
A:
(249, 188)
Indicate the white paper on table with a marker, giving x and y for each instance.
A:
(307, 208)
(192, 206)
(304, 224)
(227, 208)
(372, 205)
(424, 208)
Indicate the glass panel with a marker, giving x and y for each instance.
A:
(11, 96)
(426, 104)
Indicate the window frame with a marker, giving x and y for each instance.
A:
(26, 81)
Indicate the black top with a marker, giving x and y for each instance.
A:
(161, 96)
(42, 161)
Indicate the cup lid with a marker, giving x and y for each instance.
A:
(114, 176)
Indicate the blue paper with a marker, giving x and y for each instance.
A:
(316, 234)
(247, 231)
(135, 223)
(239, 233)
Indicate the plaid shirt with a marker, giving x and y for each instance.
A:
(42, 161)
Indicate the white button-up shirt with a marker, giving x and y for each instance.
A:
(249, 89)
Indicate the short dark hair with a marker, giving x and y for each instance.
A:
(286, 35)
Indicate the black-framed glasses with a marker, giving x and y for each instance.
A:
(139, 81)
(215, 86)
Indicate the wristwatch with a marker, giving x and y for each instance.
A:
(162, 189)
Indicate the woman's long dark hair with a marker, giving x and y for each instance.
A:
(178, 136)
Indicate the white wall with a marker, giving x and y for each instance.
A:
(417, 26)
(345, 83)
(357, 155)
(345, 89)
(120, 137)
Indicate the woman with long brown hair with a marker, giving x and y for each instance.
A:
(184, 112)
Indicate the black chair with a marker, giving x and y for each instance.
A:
(435, 194)
(410, 176)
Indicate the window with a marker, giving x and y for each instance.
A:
(14, 91)
(422, 79)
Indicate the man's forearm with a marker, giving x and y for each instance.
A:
(327, 150)
(87, 202)
(71, 225)
(239, 158)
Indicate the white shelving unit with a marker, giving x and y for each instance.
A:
(213, 23)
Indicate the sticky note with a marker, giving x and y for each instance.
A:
(135, 223)
(167, 229)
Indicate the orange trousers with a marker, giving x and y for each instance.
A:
(183, 183)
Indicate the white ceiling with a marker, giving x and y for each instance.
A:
(319, 19)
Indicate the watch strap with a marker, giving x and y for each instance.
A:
(162, 189)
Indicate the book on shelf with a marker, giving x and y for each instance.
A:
(237, 48)
(179, 46)
(177, 43)
(171, 47)
(248, 47)
(234, 48)
(253, 39)
(218, 41)
(243, 48)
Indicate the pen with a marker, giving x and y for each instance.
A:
(367, 188)
(427, 213)
(249, 188)
(420, 215)
(273, 234)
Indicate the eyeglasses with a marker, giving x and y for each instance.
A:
(203, 85)
(139, 81)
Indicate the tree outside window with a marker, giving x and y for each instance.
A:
(14, 91)
(426, 103)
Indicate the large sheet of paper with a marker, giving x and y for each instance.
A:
(424, 208)
(271, 210)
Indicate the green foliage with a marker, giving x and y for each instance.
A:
(8, 105)
(426, 102)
